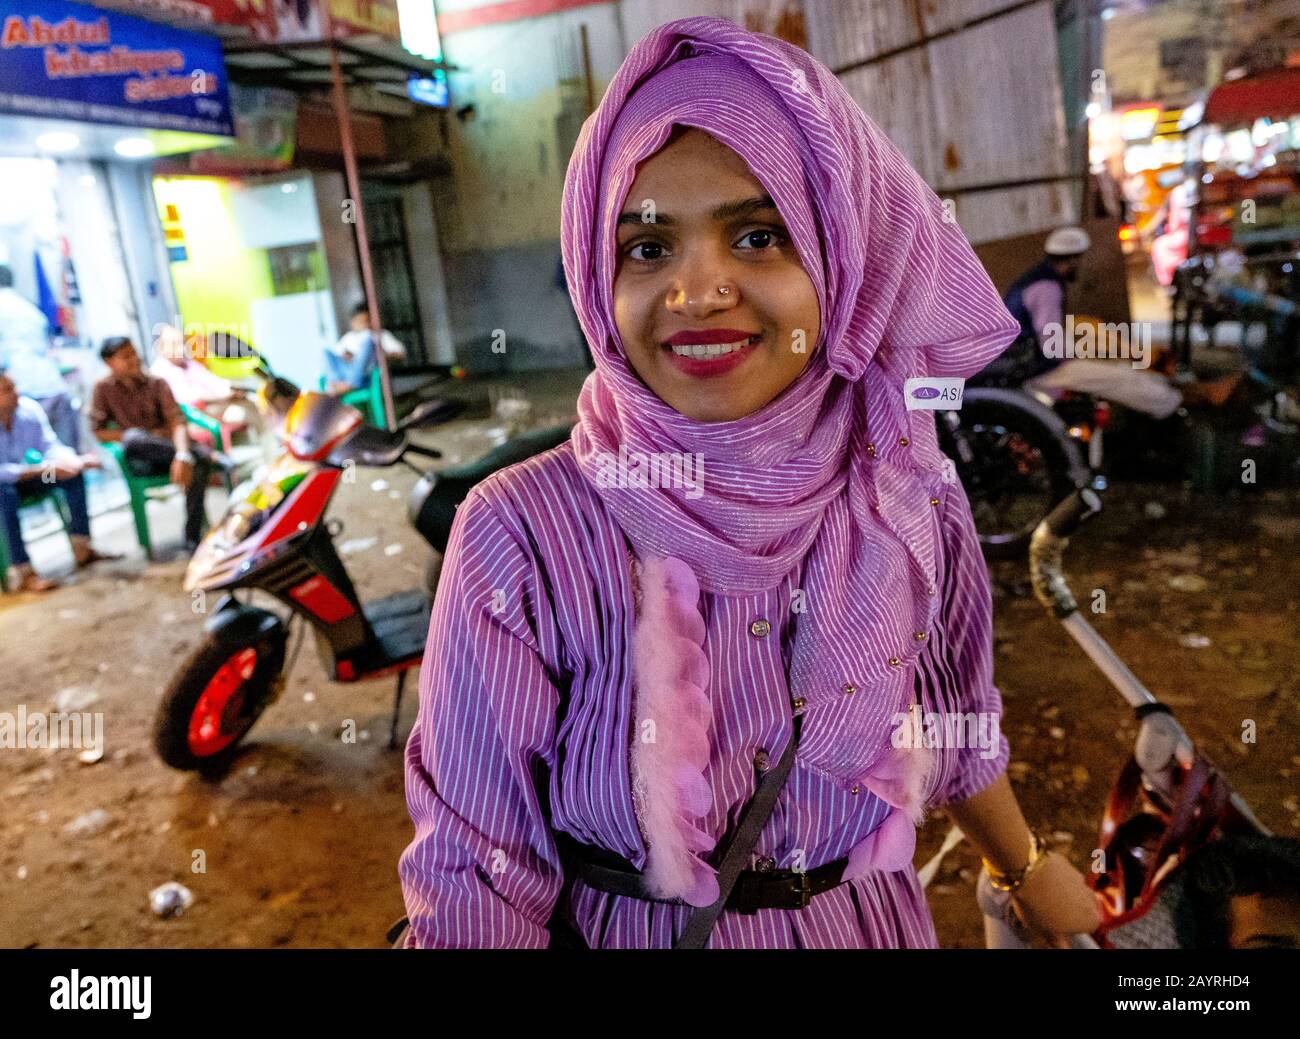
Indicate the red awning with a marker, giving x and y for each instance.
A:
(1275, 94)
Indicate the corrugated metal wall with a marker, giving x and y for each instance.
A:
(979, 105)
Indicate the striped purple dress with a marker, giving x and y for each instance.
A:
(526, 721)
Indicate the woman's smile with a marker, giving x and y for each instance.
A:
(706, 353)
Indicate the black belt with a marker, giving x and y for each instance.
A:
(755, 888)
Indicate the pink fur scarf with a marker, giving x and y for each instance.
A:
(671, 746)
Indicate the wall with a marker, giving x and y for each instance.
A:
(498, 209)
(147, 291)
(217, 282)
(226, 279)
(980, 105)
(428, 273)
(339, 241)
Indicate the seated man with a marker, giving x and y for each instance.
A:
(349, 361)
(193, 384)
(25, 355)
(190, 381)
(151, 428)
(1037, 300)
(30, 457)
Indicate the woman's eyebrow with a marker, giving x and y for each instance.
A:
(726, 211)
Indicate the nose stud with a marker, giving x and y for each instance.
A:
(723, 290)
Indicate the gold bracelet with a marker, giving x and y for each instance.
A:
(1011, 880)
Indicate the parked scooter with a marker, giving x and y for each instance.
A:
(275, 540)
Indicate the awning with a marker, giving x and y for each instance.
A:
(1275, 94)
(304, 65)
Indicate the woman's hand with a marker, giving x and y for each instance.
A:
(1056, 902)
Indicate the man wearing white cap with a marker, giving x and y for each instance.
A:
(1037, 300)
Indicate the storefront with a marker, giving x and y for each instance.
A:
(247, 255)
(87, 99)
(1245, 162)
(139, 187)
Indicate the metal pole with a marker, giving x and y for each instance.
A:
(344, 118)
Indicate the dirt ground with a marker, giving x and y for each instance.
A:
(301, 838)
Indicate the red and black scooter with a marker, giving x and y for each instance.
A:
(274, 541)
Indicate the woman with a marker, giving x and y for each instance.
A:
(748, 527)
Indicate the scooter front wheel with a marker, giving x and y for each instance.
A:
(220, 691)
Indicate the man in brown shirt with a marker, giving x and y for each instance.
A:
(138, 409)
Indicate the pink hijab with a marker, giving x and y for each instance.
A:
(835, 474)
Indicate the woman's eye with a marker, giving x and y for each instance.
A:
(763, 238)
(654, 251)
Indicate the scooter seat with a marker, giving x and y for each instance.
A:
(435, 497)
(401, 625)
(371, 446)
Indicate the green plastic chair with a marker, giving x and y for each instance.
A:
(138, 488)
(202, 420)
(369, 399)
(32, 499)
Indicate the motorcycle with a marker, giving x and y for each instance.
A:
(275, 539)
(1017, 452)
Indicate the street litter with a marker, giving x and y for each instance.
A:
(88, 825)
(170, 899)
(74, 698)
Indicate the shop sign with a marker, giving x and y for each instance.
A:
(64, 60)
(277, 21)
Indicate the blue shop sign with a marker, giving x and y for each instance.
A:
(62, 60)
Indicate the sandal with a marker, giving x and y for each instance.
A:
(30, 581)
(91, 555)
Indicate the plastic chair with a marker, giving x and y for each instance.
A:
(220, 438)
(138, 487)
(202, 420)
(32, 499)
(369, 399)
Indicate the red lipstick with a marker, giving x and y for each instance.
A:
(720, 364)
(708, 335)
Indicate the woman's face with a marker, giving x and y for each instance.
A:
(711, 301)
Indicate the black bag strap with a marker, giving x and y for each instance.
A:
(740, 845)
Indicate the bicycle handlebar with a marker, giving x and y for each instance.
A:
(1047, 547)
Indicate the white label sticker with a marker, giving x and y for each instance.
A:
(933, 394)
